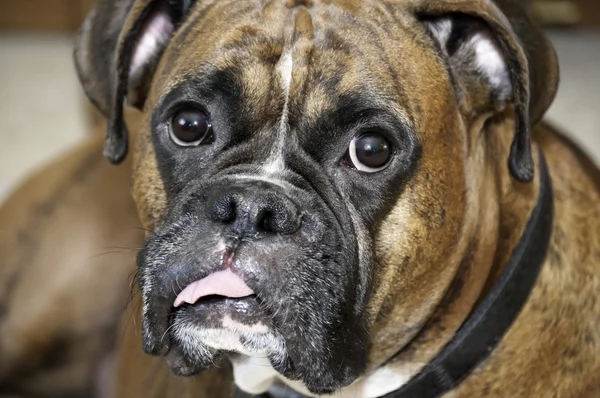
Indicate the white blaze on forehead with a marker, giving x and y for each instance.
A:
(285, 68)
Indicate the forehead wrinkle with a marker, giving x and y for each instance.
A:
(381, 66)
(301, 50)
(219, 25)
(292, 70)
(357, 61)
(368, 64)
(386, 79)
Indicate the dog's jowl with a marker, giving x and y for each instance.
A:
(351, 196)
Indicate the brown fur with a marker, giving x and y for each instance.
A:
(446, 239)
(68, 240)
(551, 348)
(444, 243)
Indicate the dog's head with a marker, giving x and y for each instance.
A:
(307, 167)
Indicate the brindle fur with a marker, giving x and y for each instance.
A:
(446, 234)
(68, 242)
(445, 240)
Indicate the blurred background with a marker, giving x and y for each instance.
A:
(43, 111)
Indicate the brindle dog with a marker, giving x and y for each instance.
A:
(332, 186)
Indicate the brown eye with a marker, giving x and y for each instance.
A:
(190, 127)
(370, 152)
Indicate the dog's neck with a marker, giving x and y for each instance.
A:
(515, 200)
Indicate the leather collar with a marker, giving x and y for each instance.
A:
(492, 318)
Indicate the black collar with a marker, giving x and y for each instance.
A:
(492, 318)
(486, 326)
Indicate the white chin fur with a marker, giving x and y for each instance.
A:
(255, 375)
(252, 369)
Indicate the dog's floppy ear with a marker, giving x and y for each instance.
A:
(495, 43)
(117, 50)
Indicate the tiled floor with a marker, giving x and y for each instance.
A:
(41, 107)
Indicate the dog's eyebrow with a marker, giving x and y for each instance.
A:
(204, 86)
(351, 114)
(212, 89)
(221, 92)
(353, 109)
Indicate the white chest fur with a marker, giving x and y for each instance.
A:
(255, 375)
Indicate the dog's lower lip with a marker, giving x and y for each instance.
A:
(215, 300)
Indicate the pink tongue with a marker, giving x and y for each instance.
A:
(224, 283)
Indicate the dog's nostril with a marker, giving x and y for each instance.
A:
(264, 222)
(223, 209)
(282, 220)
(254, 209)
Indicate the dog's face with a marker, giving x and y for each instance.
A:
(306, 170)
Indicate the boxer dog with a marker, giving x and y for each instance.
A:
(349, 197)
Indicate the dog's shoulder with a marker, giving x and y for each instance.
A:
(560, 320)
(568, 156)
(67, 245)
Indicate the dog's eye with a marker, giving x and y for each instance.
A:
(370, 152)
(190, 127)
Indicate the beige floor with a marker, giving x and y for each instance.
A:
(41, 108)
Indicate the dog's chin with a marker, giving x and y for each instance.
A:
(214, 327)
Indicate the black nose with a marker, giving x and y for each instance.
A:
(254, 208)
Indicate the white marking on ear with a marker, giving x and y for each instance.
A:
(490, 62)
(480, 50)
(275, 163)
(154, 35)
(441, 30)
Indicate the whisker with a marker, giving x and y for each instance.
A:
(167, 331)
(139, 229)
(117, 250)
(133, 279)
(124, 248)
